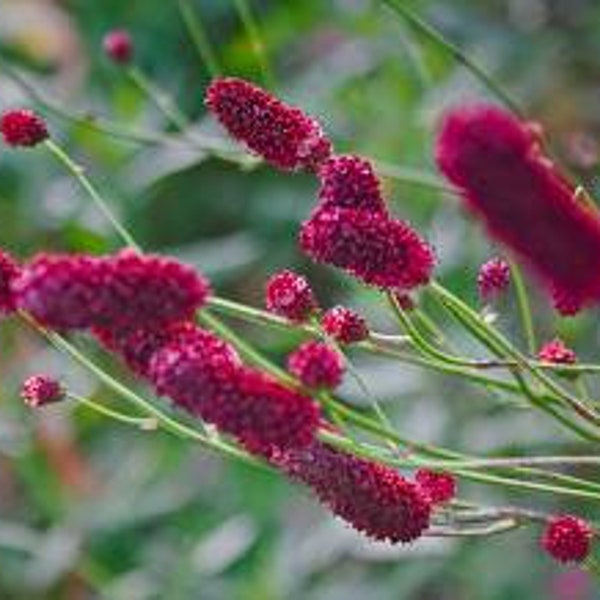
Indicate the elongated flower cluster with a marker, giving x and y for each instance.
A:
(281, 134)
(22, 128)
(383, 252)
(125, 291)
(524, 202)
(9, 272)
(374, 499)
(567, 538)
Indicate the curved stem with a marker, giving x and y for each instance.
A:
(141, 422)
(524, 307)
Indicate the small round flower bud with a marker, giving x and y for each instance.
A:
(39, 390)
(567, 538)
(22, 128)
(438, 487)
(493, 279)
(344, 325)
(317, 365)
(290, 295)
(118, 46)
(556, 352)
(281, 134)
(9, 271)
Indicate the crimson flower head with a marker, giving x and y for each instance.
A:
(22, 128)
(493, 278)
(39, 390)
(345, 325)
(281, 134)
(567, 538)
(118, 46)
(290, 295)
(380, 251)
(525, 203)
(438, 487)
(122, 292)
(374, 499)
(9, 271)
(317, 365)
(556, 352)
(350, 182)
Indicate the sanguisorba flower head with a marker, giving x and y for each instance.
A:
(124, 291)
(40, 390)
(9, 271)
(556, 352)
(380, 251)
(118, 46)
(493, 279)
(374, 499)
(281, 134)
(505, 180)
(437, 486)
(567, 538)
(349, 181)
(22, 128)
(345, 325)
(317, 365)
(289, 295)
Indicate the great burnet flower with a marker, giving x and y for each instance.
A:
(374, 499)
(124, 291)
(345, 325)
(506, 181)
(567, 538)
(493, 278)
(437, 486)
(22, 128)
(317, 365)
(289, 295)
(557, 352)
(349, 181)
(9, 271)
(281, 134)
(118, 46)
(39, 390)
(380, 251)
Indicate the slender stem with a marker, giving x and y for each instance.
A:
(197, 34)
(162, 101)
(524, 307)
(79, 174)
(495, 528)
(438, 38)
(249, 22)
(417, 177)
(141, 422)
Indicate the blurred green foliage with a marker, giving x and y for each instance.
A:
(91, 509)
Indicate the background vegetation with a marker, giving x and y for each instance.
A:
(89, 508)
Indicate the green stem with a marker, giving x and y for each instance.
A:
(79, 174)
(197, 34)
(438, 38)
(248, 21)
(524, 307)
(141, 422)
(161, 100)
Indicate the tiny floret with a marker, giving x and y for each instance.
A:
(317, 365)
(118, 46)
(438, 487)
(556, 352)
(39, 390)
(567, 538)
(22, 128)
(345, 325)
(493, 279)
(290, 295)
(281, 134)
